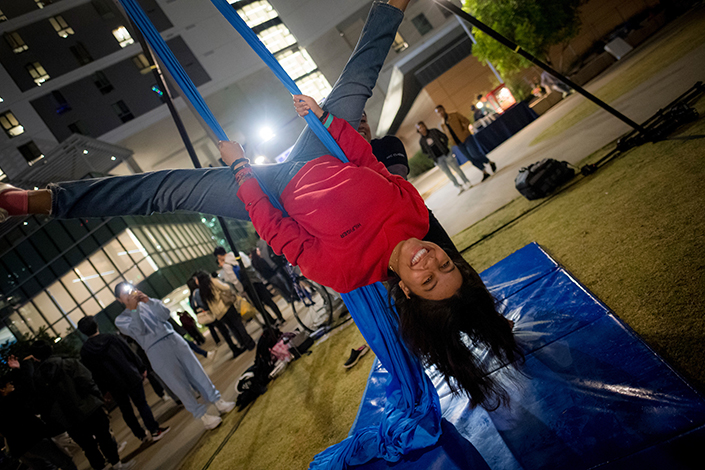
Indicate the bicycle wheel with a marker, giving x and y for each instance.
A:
(316, 307)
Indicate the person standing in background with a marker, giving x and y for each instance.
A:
(457, 126)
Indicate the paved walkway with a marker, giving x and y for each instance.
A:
(457, 212)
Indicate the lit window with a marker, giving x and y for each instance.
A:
(399, 43)
(123, 36)
(31, 153)
(256, 13)
(81, 54)
(2, 175)
(15, 41)
(102, 82)
(2, 16)
(61, 26)
(12, 126)
(296, 62)
(122, 111)
(39, 75)
(277, 38)
(141, 63)
(43, 3)
(314, 85)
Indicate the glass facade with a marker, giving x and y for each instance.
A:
(265, 22)
(53, 272)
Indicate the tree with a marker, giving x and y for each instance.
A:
(535, 25)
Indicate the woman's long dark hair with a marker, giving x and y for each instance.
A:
(205, 287)
(433, 331)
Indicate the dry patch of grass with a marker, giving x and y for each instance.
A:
(657, 57)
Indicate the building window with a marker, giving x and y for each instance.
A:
(141, 63)
(39, 75)
(81, 54)
(296, 62)
(314, 85)
(79, 127)
(12, 126)
(264, 20)
(3, 176)
(61, 104)
(256, 13)
(2, 16)
(276, 38)
(422, 24)
(399, 43)
(43, 3)
(61, 26)
(103, 9)
(122, 111)
(123, 36)
(15, 41)
(31, 152)
(102, 82)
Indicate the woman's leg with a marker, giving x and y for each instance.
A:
(207, 190)
(226, 336)
(354, 87)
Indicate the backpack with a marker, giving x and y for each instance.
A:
(542, 178)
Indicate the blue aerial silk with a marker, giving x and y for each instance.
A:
(412, 412)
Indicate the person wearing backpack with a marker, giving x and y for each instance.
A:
(218, 299)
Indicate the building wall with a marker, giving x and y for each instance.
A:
(598, 18)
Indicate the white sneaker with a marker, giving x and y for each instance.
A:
(210, 355)
(124, 465)
(167, 398)
(460, 189)
(224, 406)
(210, 421)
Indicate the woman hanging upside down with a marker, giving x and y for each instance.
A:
(347, 225)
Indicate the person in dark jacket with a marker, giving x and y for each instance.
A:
(119, 371)
(434, 144)
(64, 392)
(27, 436)
(189, 325)
(273, 277)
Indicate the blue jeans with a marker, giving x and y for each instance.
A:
(472, 152)
(213, 190)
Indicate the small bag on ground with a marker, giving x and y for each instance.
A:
(542, 178)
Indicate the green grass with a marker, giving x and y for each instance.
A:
(311, 406)
(654, 59)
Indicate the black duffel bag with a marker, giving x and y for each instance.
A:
(540, 179)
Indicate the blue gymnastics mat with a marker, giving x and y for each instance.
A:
(591, 393)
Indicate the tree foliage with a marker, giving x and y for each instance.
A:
(535, 25)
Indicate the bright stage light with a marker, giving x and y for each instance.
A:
(480, 105)
(260, 160)
(266, 133)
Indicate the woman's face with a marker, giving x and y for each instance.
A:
(426, 270)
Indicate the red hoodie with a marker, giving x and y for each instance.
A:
(344, 218)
